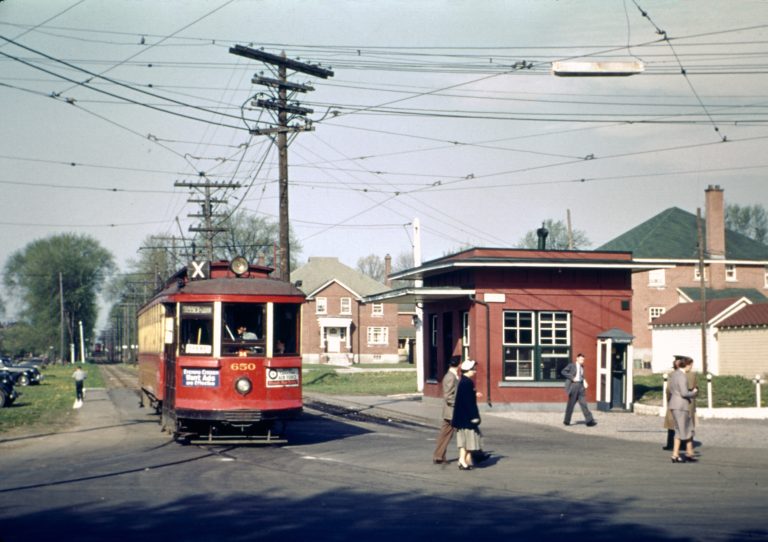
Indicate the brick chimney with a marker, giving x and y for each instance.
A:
(715, 222)
(387, 270)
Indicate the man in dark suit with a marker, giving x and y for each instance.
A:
(575, 384)
(450, 380)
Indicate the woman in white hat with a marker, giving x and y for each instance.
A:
(466, 416)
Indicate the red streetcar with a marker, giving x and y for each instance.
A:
(219, 352)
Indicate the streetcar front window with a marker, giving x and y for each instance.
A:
(286, 329)
(243, 329)
(196, 330)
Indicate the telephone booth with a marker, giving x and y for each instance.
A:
(614, 370)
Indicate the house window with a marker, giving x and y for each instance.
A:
(378, 335)
(655, 312)
(656, 278)
(321, 305)
(346, 305)
(377, 309)
(537, 345)
(697, 273)
(730, 273)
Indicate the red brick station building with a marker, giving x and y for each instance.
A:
(523, 315)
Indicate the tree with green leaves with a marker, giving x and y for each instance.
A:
(749, 220)
(557, 237)
(76, 265)
(255, 237)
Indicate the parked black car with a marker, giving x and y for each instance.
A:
(36, 363)
(8, 393)
(26, 375)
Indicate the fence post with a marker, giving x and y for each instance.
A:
(709, 391)
(757, 382)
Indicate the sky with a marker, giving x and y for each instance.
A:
(441, 110)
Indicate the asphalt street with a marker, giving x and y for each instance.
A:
(350, 472)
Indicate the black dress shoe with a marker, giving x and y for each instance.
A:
(566, 423)
(439, 461)
(591, 423)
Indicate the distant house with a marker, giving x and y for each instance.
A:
(678, 331)
(669, 240)
(338, 326)
(743, 342)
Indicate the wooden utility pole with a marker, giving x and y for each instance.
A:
(208, 229)
(280, 103)
(703, 291)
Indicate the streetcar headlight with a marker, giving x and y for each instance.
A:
(239, 265)
(243, 386)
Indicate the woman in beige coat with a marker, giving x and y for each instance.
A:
(680, 404)
(669, 422)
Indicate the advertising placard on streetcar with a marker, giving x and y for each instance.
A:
(200, 378)
(282, 377)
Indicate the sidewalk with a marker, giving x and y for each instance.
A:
(413, 408)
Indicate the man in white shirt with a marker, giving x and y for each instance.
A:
(575, 384)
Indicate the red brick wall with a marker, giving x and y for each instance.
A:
(361, 316)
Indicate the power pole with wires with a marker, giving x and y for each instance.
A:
(208, 228)
(279, 101)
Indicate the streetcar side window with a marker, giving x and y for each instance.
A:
(196, 331)
(242, 329)
(286, 329)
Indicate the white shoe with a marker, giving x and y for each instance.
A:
(77, 404)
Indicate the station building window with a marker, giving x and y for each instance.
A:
(537, 345)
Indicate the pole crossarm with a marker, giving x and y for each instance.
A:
(281, 61)
(281, 130)
(276, 83)
(276, 105)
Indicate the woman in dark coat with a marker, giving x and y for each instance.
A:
(466, 416)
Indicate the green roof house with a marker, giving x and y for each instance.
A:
(670, 239)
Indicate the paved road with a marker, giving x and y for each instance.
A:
(115, 476)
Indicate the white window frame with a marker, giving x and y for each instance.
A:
(519, 346)
(655, 312)
(657, 278)
(697, 275)
(345, 305)
(377, 309)
(730, 272)
(465, 334)
(321, 305)
(377, 335)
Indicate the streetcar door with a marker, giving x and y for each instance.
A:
(169, 367)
